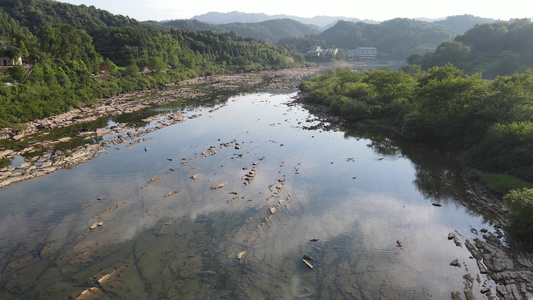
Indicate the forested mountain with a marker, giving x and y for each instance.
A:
(36, 14)
(74, 55)
(499, 48)
(186, 24)
(395, 39)
(460, 23)
(463, 23)
(270, 30)
(240, 17)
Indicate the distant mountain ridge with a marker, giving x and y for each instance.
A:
(459, 23)
(235, 17)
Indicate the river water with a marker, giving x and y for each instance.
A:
(360, 202)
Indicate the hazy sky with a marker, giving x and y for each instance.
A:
(375, 10)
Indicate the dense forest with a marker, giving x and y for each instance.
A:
(270, 31)
(396, 39)
(75, 55)
(500, 48)
(487, 122)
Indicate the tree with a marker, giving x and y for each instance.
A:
(449, 52)
(445, 100)
(111, 67)
(415, 59)
(131, 70)
(506, 63)
(18, 73)
(156, 64)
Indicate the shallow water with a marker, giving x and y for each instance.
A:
(168, 236)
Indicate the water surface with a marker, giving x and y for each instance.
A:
(359, 193)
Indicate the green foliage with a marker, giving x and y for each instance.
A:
(504, 183)
(445, 100)
(17, 73)
(270, 31)
(506, 147)
(448, 53)
(521, 203)
(506, 63)
(500, 48)
(463, 23)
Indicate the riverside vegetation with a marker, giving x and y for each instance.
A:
(487, 122)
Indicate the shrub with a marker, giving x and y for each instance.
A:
(355, 110)
(521, 203)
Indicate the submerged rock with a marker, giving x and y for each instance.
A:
(95, 225)
(218, 186)
(455, 263)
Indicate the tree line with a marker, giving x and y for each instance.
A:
(488, 122)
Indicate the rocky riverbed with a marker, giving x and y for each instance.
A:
(52, 160)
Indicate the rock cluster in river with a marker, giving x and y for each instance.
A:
(51, 160)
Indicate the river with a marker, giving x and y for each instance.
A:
(226, 204)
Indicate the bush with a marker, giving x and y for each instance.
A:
(414, 126)
(355, 111)
(521, 203)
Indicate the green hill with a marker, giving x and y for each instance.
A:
(499, 48)
(463, 23)
(396, 39)
(270, 30)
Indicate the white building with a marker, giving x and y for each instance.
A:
(6, 61)
(315, 51)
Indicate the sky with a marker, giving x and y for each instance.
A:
(379, 10)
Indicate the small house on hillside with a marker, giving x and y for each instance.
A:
(6, 60)
(314, 51)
